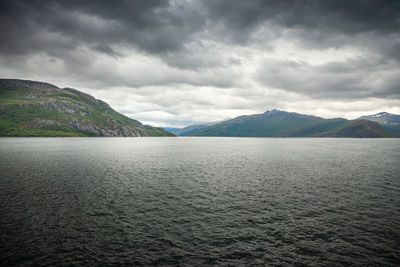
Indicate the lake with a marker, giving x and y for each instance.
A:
(199, 201)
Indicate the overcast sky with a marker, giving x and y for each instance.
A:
(175, 63)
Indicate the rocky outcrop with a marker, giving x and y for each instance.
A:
(66, 107)
(87, 126)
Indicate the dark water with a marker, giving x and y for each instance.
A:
(199, 201)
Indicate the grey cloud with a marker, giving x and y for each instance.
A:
(312, 24)
(106, 49)
(349, 17)
(351, 79)
(94, 44)
(165, 26)
(152, 26)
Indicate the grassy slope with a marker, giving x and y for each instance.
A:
(18, 113)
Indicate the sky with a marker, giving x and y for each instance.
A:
(177, 63)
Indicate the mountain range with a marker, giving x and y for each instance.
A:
(31, 108)
(276, 123)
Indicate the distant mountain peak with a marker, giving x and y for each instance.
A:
(384, 118)
(273, 111)
(381, 114)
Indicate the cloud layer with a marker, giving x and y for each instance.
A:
(179, 62)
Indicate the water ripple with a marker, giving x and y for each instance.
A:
(199, 202)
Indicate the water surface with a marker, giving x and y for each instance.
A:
(199, 201)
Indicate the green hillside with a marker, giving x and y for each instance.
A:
(273, 123)
(277, 123)
(30, 108)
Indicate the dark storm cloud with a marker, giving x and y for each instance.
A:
(347, 17)
(152, 26)
(160, 26)
(195, 40)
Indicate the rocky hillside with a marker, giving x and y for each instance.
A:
(31, 108)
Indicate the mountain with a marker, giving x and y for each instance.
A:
(190, 130)
(31, 108)
(390, 122)
(276, 123)
(272, 123)
(171, 129)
